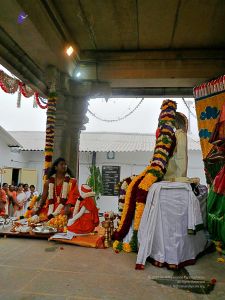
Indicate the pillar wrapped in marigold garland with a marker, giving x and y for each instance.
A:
(50, 132)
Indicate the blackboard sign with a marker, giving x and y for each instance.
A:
(110, 180)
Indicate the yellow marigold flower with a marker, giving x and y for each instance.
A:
(48, 153)
(115, 244)
(220, 260)
(127, 247)
(166, 118)
(219, 249)
(159, 156)
(138, 214)
(147, 181)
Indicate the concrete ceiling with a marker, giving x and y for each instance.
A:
(135, 45)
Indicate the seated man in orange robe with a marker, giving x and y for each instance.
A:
(85, 216)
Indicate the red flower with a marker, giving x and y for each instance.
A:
(117, 251)
(48, 158)
(213, 281)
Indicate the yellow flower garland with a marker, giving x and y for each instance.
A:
(28, 213)
(147, 181)
(138, 214)
(151, 177)
(128, 196)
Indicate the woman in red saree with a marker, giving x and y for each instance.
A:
(60, 193)
(85, 216)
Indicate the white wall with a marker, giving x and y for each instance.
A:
(35, 160)
(132, 163)
(13, 158)
(9, 158)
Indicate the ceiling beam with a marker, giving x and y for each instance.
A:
(183, 54)
(146, 92)
(20, 64)
(185, 68)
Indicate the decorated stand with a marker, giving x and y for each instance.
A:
(167, 227)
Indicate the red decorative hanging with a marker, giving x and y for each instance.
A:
(36, 95)
(210, 87)
(11, 85)
(25, 90)
(8, 84)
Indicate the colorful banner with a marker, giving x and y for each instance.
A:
(208, 110)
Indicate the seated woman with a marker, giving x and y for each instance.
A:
(85, 217)
(60, 193)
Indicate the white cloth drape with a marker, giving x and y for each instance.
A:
(177, 166)
(171, 209)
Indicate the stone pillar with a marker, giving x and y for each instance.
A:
(70, 117)
(76, 122)
(71, 108)
(60, 127)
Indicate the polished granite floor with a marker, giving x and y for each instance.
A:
(38, 269)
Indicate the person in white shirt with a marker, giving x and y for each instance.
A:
(28, 194)
(33, 191)
(20, 202)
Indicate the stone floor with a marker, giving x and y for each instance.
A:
(38, 269)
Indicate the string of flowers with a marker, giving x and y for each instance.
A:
(50, 132)
(137, 190)
(33, 201)
(12, 85)
(123, 186)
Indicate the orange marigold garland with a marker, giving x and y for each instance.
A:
(28, 214)
(137, 190)
(50, 132)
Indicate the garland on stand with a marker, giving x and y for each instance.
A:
(50, 133)
(137, 190)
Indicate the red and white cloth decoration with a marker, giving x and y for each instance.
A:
(86, 191)
(211, 87)
(12, 85)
